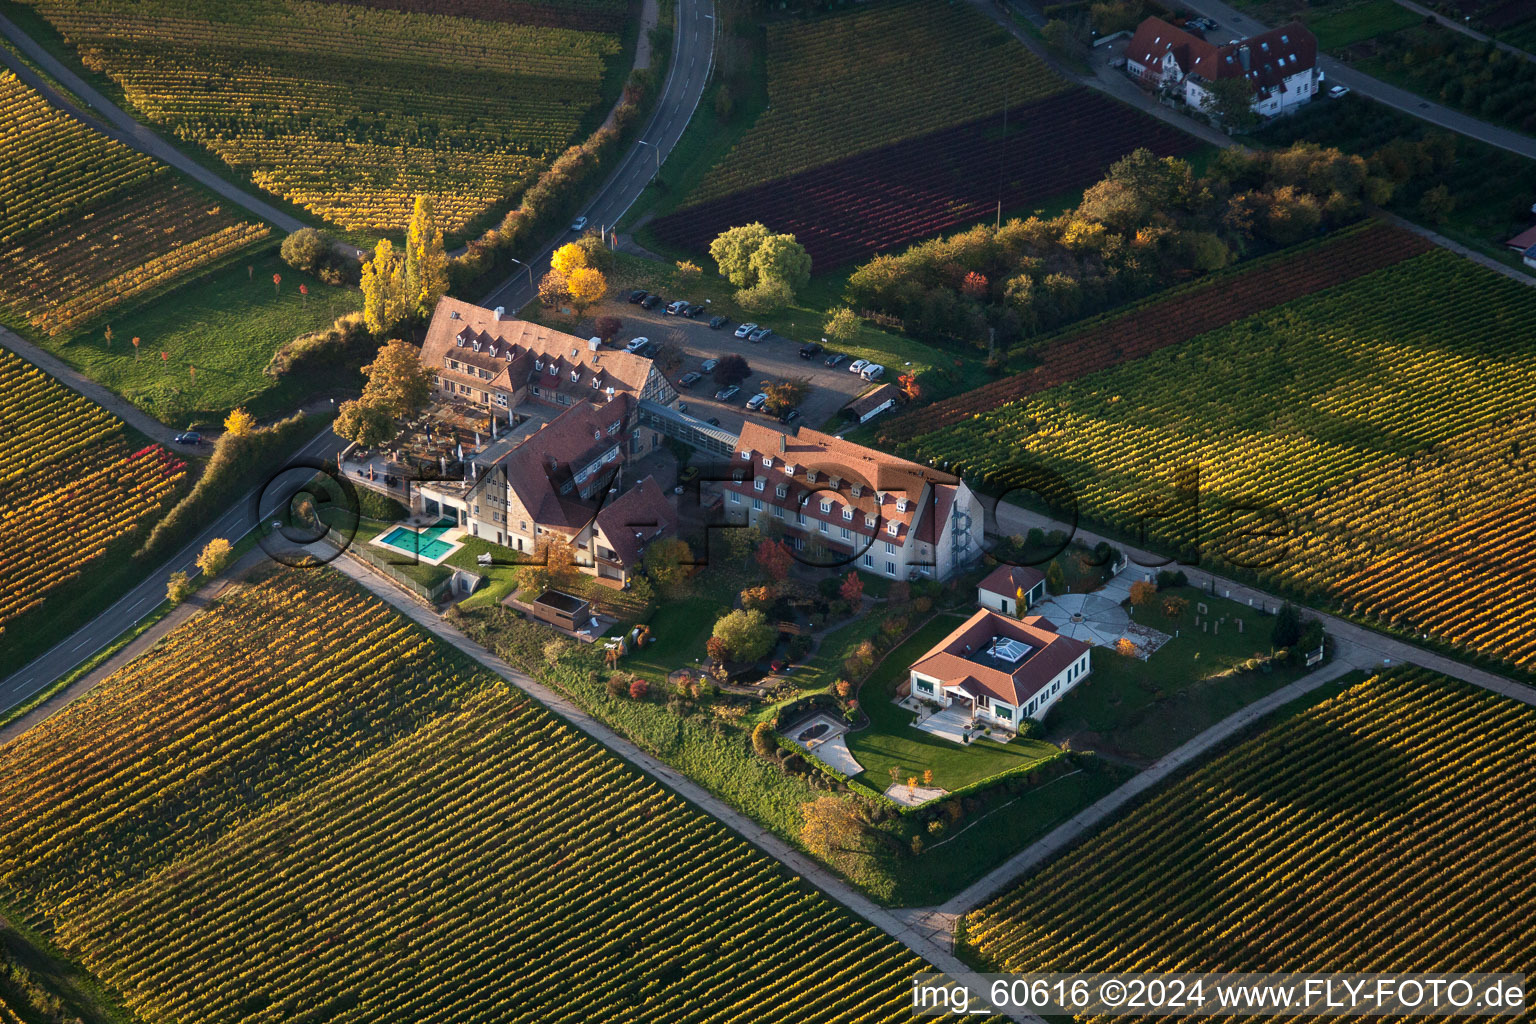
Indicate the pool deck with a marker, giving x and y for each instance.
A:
(450, 536)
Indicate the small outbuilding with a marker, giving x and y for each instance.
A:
(560, 609)
(872, 403)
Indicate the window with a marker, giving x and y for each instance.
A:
(1006, 714)
(768, 461)
(613, 428)
(822, 527)
(893, 529)
(757, 503)
(778, 513)
(757, 484)
(735, 498)
(501, 400)
(869, 521)
(890, 548)
(826, 506)
(848, 516)
(799, 518)
(781, 490)
(890, 568)
(924, 686)
(746, 456)
(536, 390)
(847, 533)
(523, 525)
(552, 369)
(869, 561)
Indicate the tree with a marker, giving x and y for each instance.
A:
(762, 740)
(1436, 204)
(305, 249)
(668, 562)
(746, 635)
(552, 290)
(910, 387)
(568, 258)
(732, 252)
(784, 395)
(842, 324)
(776, 559)
(397, 382)
(1230, 101)
(974, 286)
(830, 826)
(1173, 607)
(1070, 36)
(586, 287)
(598, 254)
(638, 688)
(607, 327)
(385, 299)
(239, 422)
(732, 369)
(215, 556)
(178, 588)
(687, 272)
(1288, 626)
(852, 589)
(108, 335)
(1143, 593)
(781, 258)
(426, 261)
(1055, 578)
(364, 422)
(765, 296)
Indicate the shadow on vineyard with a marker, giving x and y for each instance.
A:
(1293, 789)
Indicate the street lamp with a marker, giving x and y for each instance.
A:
(657, 150)
(526, 267)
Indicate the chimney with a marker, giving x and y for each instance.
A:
(594, 344)
(1243, 55)
(453, 314)
(501, 312)
(783, 443)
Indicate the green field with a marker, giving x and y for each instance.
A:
(1400, 400)
(314, 810)
(1342, 837)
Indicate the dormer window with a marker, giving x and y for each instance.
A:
(594, 384)
(538, 364)
(757, 484)
(893, 529)
(901, 504)
(836, 482)
(869, 521)
(575, 376)
(848, 514)
(858, 489)
(738, 475)
(826, 506)
(789, 470)
(613, 428)
(768, 461)
(810, 476)
(553, 369)
(781, 490)
(746, 455)
(597, 435)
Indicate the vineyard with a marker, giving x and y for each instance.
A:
(1384, 424)
(1122, 337)
(352, 111)
(298, 806)
(850, 82)
(86, 223)
(922, 186)
(1347, 837)
(74, 484)
(586, 15)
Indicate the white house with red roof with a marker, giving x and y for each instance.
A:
(1011, 589)
(1000, 669)
(845, 504)
(1280, 65)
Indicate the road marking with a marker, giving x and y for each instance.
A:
(82, 643)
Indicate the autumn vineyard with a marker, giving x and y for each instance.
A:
(1323, 841)
(351, 111)
(75, 485)
(352, 822)
(87, 223)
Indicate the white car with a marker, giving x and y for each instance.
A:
(636, 344)
(745, 329)
(757, 401)
(579, 224)
(1337, 91)
(857, 366)
(874, 371)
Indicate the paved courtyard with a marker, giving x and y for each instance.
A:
(822, 735)
(1099, 619)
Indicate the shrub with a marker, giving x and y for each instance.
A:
(638, 688)
(762, 741)
(305, 249)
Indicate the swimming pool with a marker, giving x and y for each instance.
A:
(426, 545)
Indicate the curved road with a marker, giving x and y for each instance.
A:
(693, 59)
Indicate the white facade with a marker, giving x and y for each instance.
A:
(1008, 604)
(991, 710)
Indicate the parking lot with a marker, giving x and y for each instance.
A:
(772, 358)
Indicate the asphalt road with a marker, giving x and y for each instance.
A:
(110, 119)
(693, 58)
(80, 645)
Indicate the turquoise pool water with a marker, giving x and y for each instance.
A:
(427, 544)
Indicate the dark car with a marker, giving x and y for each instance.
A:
(759, 334)
(717, 322)
(188, 437)
(713, 421)
(835, 358)
(725, 394)
(650, 302)
(693, 311)
(638, 295)
(810, 350)
(789, 416)
(689, 379)
(648, 350)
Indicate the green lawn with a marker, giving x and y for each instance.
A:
(890, 741)
(1343, 26)
(1143, 709)
(678, 631)
(224, 325)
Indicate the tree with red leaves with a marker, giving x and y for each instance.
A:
(638, 688)
(910, 387)
(974, 286)
(852, 589)
(775, 558)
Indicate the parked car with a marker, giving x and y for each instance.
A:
(579, 224)
(726, 394)
(688, 475)
(709, 366)
(674, 308)
(857, 366)
(693, 310)
(874, 371)
(649, 349)
(689, 379)
(188, 437)
(745, 329)
(757, 401)
(810, 350)
(713, 421)
(638, 295)
(835, 358)
(759, 334)
(789, 416)
(636, 344)
(717, 322)
(1338, 91)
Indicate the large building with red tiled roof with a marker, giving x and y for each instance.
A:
(1001, 669)
(1280, 65)
(842, 504)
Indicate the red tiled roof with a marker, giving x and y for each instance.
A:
(1523, 241)
(636, 517)
(1272, 56)
(538, 467)
(954, 660)
(1008, 580)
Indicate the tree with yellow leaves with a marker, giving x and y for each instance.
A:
(586, 287)
(239, 423)
(569, 258)
(385, 299)
(426, 261)
(215, 556)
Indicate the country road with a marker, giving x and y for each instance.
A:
(693, 59)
